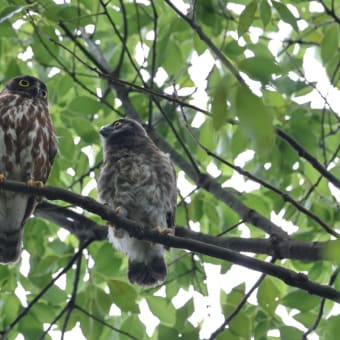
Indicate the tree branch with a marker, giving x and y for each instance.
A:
(44, 290)
(209, 43)
(84, 228)
(308, 157)
(140, 232)
(209, 184)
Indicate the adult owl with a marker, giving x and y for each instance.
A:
(27, 149)
(139, 182)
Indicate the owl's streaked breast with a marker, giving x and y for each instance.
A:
(24, 140)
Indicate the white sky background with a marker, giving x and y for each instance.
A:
(207, 309)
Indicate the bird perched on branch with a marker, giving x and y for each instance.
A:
(139, 182)
(28, 146)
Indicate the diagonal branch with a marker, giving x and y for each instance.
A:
(239, 306)
(307, 156)
(211, 185)
(25, 311)
(84, 228)
(209, 43)
(290, 277)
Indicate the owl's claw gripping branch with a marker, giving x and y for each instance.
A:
(2, 178)
(164, 231)
(33, 183)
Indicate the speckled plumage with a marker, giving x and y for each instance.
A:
(27, 148)
(139, 180)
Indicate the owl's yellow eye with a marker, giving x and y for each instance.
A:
(117, 124)
(43, 93)
(24, 83)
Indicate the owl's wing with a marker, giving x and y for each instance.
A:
(53, 145)
(171, 215)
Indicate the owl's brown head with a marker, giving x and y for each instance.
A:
(123, 128)
(27, 86)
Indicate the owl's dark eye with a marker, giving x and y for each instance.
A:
(23, 83)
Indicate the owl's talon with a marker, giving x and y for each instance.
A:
(33, 183)
(2, 178)
(164, 231)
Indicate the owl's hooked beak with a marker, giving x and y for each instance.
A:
(105, 130)
(39, 92)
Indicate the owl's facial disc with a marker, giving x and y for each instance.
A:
(29, 86)
(123, 128)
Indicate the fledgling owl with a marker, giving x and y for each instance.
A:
(28, 146)
(139, 182)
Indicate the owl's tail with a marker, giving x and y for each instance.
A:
(147, 274)
(10, 245)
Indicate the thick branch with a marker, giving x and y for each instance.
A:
(77, 224)
(140, 232)
(84, 228)
(209, 184)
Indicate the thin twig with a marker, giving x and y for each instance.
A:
(239, 306)
(90, 315)
(44, 290)
(321, 308)
(307, 156)
(209, 43)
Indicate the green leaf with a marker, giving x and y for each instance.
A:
(66, 145)
(290, 87)
(332, 251)
(234, 297)
(11, 306)
(85, 130)
(13, 68)
(265, 12)
(30, 327)
(239, 142)
(107, 261)
(163, 309)
(6, 30)
(134, 327)
(330, 329)
(329, 42)
(219, 104)
(241, 325)
(268, 295)
(56, 296)
(247, 17)
(167, 332)
(260, 68)
(174, 58)
(74, 15)
(285, 14)
(83, 105)
(124, 296)
(255, 119)
(183, 314)
(305, 301)
(43, 48)
(290, 333)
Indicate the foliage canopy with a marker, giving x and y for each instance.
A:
(225, 88)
